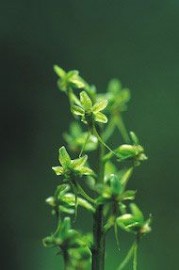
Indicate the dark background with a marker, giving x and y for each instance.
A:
(136, 41)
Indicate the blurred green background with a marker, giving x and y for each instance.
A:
(134, 40)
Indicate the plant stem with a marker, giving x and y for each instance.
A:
(109, 130)
(127, 258)
(84, 145)
(98, 251)
(84, 194)
(135, 257)
(102, 142)
(120, 125)
(66, 260)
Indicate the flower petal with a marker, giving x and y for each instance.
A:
(58, 170)
(137, 213)
(100, 117)
(86, 171)
(99, 106)
(85, 100)
(77, 110)
(64, 157)
(59, 71)
(79, 162)
(77, 81)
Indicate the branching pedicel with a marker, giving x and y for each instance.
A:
(103, 190)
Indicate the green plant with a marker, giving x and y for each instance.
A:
(100, 187)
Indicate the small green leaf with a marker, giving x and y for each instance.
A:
(128, 195)
(58, 170)
(125, 175)
(99, 106)
(114, 86)
(137, 213)
(100, 117)
(59, 71)
(85, 101)
(134, 138)
(116, 187)
(50, 201)
(64, 157)
(79, 162)
(77, 110)
(86, 171)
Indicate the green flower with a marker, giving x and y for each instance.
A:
(68, 80)
(118, 96)
(76, 246)
(134, 222)
(131, 151)
(88, 111)
(71, 168)
(76, 139)
(80, 258)
(114, 189)
(64, 201)
(64, 237)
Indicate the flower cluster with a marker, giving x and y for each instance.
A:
(134, 222)
(88, 111)
(64, 201)
(114, 190)
(68, 80)
(71, 168)
(71, 243)
(98, 182)
(77, 139)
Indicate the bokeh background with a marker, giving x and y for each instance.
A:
(134, 40)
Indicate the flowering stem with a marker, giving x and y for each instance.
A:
(84, 194)
(109, 130)
(135, 256)
(120, 125)
(98, 251)
(84, 145)
(127, 258)
(66, 260)
(103, 143)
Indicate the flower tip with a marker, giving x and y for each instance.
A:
(59, 71)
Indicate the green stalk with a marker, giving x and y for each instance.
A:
(84, 145)
(131, 253)
(66, 260)
(128, 257)
(120, 125)
(84, 194)
(135, 257)
(102, 142)
(109, 130)
(98, 252)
